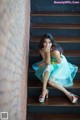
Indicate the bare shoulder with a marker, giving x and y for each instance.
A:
(56, 53)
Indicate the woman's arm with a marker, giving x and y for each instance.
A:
(45, 53)
(48, 58)
(43, 57)
(47, 50)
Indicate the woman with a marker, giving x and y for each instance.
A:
(54, 69)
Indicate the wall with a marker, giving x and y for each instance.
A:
(14, 42)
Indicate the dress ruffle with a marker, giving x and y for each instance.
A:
(62, 73)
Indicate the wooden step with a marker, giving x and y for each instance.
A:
(54, 104)
(49, 5)
(58, 39)
(31, 70)
(38, 84)
(55, 32)
(66, 52)
(63, 116)
(55, 26)
(55, 13)
(71, 59)
(52, 101)
(33, 78)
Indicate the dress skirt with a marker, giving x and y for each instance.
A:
(62, 73)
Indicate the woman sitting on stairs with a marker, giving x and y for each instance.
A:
(54, 69)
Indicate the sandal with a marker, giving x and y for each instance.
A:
(73, 98)
(42, 99)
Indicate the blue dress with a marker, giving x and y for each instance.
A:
(62, 73)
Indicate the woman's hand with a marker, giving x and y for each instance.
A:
(47, 48)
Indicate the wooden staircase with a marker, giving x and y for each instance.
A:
(63, 22)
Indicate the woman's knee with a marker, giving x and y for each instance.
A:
(46, 74)
(50, 82)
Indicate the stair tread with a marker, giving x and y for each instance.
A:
(52, 116)
(52, 101)
(55, 13)
(66, 52)
(55, 26)
(38, 84)
(58, 39)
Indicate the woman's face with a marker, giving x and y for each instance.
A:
(47, 43)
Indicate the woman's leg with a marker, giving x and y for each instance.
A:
(59, 87)
(45, 80)
(72, 97)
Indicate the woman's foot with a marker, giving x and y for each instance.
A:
(43, 96)
(73, 98)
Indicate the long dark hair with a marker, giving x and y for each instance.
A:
(55, 46)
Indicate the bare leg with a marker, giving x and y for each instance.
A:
(66, 92)
(59, 87)
(45, 80)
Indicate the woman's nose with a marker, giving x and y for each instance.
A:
(47, 44)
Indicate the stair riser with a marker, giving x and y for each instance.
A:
(55, 32)
(71, 59)
(33, 77)
(65, 46)
(52, 92)
(56, 19)
(53, 109)
(48, 5)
